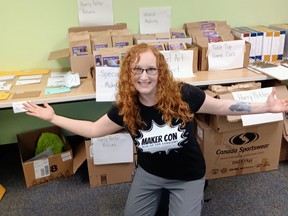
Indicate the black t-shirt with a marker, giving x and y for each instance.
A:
(168, 152)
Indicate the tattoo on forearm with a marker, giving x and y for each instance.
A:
(241, 106)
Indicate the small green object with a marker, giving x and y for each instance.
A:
(49, 141)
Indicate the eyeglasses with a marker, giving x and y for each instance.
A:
(150, 71)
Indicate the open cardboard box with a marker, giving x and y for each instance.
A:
(50, 168)
(228, 123)
(82, 64)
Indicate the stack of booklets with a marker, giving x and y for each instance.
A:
(267, 42)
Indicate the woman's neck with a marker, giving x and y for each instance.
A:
(147, 101)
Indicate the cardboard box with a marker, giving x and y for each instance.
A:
(100, 175)
(203, 58)
(284, 149)
(44, 170)
(246, 150)
(82, 64)
(284, 144)
(228, 123)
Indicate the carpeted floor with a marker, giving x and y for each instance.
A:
(264, 194)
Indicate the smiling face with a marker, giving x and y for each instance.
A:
(146, 84)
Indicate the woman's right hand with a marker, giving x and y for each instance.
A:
(45, 112)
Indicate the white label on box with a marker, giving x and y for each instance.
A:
(66, 156)
(41, 168)
(115, 148)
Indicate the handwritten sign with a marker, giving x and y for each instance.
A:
(95, 12)
(180, 62)
(114, 148)
(257, 96)
(106, 83)
(226, 55)
(155, 20)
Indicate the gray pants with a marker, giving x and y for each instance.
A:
(186, 197)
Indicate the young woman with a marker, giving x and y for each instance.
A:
(158, 112)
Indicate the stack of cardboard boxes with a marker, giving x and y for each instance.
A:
(203, 33)
(231, 149)
(82, 64)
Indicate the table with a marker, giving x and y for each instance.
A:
(80, 102)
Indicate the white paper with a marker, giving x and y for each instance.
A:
(58, 74)
(71, 79)
(165, 40)
(115, 148)
(5, 86)
(18, 107)
(30, 77)
(27, 82)
(279, 72)
(95, 12)
(256, 96)
(106, 83)
(226, 55)
(180, 62)
(6, 78)
(55, 81)
(155, 20)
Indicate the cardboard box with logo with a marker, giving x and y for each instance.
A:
(45, 169)
(230, 149)
(82, 64)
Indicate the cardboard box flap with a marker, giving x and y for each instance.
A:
(117, 26)
(285, 129)
(64, 53)
(281, 93)
(210, 93)
(79, 156)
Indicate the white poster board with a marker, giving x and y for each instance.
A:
(226, 55)
(256, 96)
(180, 62)
(114, 148)
(106, 83)
(95, 12)
(155, 20)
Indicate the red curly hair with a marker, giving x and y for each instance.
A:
(169, 100)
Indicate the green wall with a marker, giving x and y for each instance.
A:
(31, 29)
